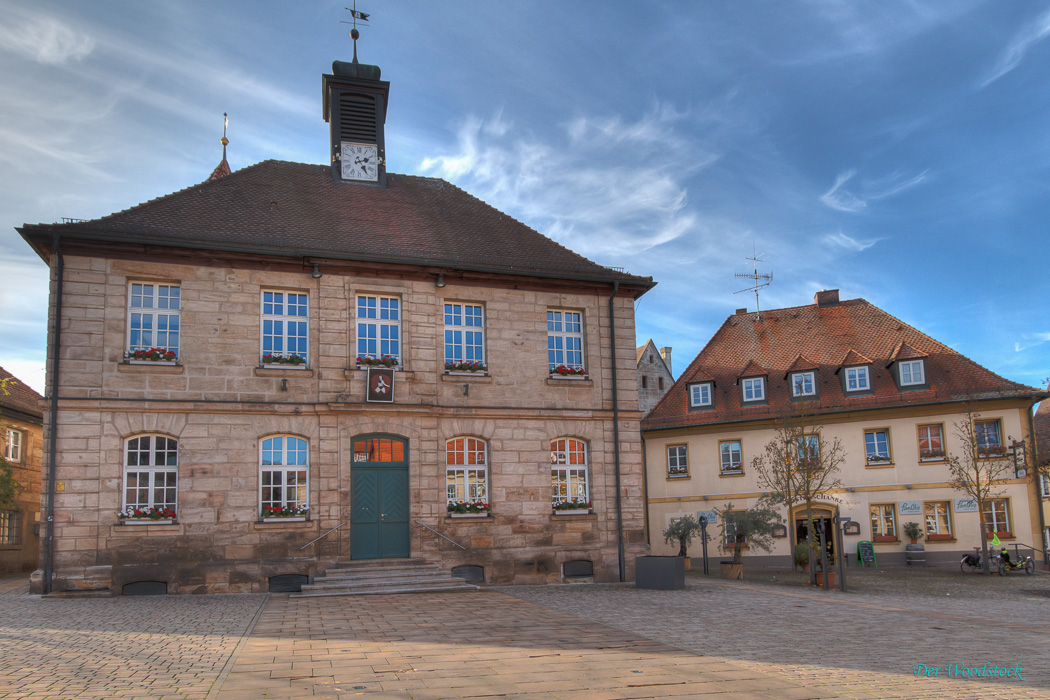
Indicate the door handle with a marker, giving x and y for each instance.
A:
(382, 516)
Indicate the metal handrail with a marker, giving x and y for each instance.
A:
(321, 536)
(427, 527)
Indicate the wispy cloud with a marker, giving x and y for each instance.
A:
(1030, 340)
(1017, 49)
(609, 188)
(853, 201)
(42, 38)
(850, 243)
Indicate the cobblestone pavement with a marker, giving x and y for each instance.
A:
(170, 646)
(862, 645)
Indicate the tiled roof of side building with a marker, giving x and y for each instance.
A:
(20, 396)
(1042, 432)
(298, 209)
(825, 337)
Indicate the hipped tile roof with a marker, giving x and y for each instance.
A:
(20, 396)
(851, 332)
(298, 209)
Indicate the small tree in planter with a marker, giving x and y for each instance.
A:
(751, 528)
(682, 531)
(913, 531)
(801, 556)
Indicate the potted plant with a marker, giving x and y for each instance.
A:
(468, 509)
(914, 553)
(572, 506)
(741, 529)
(801, 556)
(820, 568)
(681, 532)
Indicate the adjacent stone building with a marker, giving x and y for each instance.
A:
(654, 375)
(896, 401)
(21, 416)
(292, 365)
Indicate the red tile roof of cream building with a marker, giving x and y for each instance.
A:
(823, 339)
(282, 208)
(20, 396)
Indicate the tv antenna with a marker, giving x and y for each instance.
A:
(758, 280)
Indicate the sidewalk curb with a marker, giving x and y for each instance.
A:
(216, 686)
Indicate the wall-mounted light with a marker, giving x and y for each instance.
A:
(440, 282)
(907, 486)
(316, 274)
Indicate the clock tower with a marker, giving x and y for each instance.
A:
(355, 107)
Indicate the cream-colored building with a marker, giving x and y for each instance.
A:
(894, 399)
(291, 366)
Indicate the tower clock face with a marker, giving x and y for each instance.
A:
(359, 161)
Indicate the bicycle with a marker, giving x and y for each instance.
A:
(1023, 562)
(971, 563)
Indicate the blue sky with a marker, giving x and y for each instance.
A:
(897, 151)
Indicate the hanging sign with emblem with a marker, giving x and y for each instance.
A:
(380, 385)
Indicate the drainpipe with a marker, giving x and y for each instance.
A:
(49, 537)
(616, 434)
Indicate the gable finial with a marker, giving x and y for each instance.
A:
(354, 34)
(224, 141)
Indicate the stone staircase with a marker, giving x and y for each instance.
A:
(383, 576)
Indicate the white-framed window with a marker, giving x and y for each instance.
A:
(808, 451)
(883, 520)
(996, 515)
(937, 515)
(569, 480)
(803, 384)
(151, 472)
(730, 457)
(912, 372)
(700, 394)
(931, 442)
(877, 446)
(989, 434)
(153, 317)
(14, 446)
(464, 335)
(565, 340)
(378, 328)
(285, 327)
(857, 379)
(10, 527)
(1044, 486)
(677, 461)
(466, 470)
(284, 476)
(753, 388)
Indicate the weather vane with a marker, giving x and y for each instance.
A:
(354, 34)
(759, 281)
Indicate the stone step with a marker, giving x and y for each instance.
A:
(381, 563)
(331, 575)
(433, 582)
(450, 587)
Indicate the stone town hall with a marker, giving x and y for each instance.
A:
(291, 366)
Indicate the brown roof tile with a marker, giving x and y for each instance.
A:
(1042, 432)
(20, 396)
(827, 338)
(298, 209)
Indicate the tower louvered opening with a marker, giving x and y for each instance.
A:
(357, 118)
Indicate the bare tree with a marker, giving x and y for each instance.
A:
(981, 467)
(798, 466)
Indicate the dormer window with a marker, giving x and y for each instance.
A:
(857, 379)
(803, 384)
(753, 389)
(912, 372)
(700, 395)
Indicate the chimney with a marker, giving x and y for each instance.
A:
(666, 354)
(741, 312)
(826, 297)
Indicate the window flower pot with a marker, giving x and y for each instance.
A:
(468, 515)
(820, 578)
(659, 573)
(147, 521)
(573, 511)
(286, 519)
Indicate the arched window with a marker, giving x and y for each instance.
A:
(283, 476)
(466, 472)
(569, 471)
(151, 473)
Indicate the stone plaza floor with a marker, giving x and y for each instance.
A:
(770, 638)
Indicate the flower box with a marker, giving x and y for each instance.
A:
(289, 513)
(574, 511)
(147, 521)
(153, 355)
(381, 361)
(284, 360)
(569, 372)
(466, 368)
(468, 515)
(285, 519)
(146, 516)
(472, 508)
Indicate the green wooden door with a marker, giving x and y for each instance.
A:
(379, 498)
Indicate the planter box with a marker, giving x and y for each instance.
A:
(290, 519)
(574, 511)
(659, 573)
(468, 515)
(820, 578)
(146, 521)
(731, 571)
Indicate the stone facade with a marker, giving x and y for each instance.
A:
(654, 375)
(218, 402)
